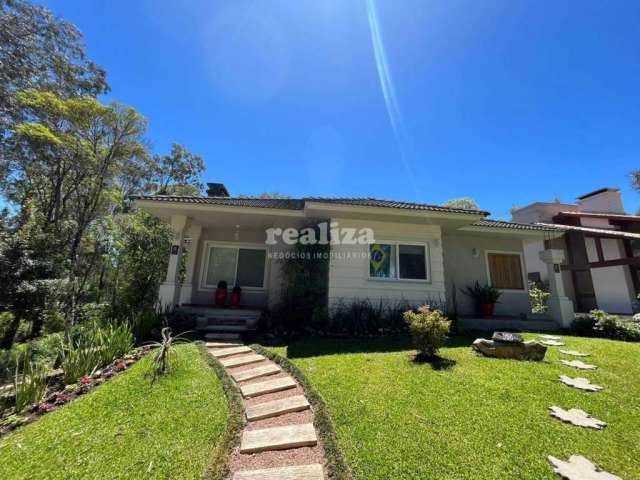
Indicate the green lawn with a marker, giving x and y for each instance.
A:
(127, 428)
(476, 417)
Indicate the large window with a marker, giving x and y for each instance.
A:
(244, 266)
(398, 261)
(505, 271)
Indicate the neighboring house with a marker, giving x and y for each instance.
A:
(602, 246)
(430, 252)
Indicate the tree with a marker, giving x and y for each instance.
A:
(635, 180)
(178, 173)
(39, 51)
(67, 159)
(465, 203)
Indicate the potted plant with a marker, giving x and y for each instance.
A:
(235, 296)
(485, 295)
(221, 294)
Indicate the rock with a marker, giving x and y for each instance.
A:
(553, 343)
(579, 468)
(577, 417)
(519, 351)
(574, 353)
(578, 364)
(580, 383)
(507, 337)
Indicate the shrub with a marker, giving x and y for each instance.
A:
(428, 329)
(601, 324)
(539, 297)
(29, 383)
(482, 294)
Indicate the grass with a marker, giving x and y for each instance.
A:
(128, 427)
(471, 417)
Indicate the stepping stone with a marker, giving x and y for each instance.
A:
(270, 386)
(579, 468)
(278, 438)
(578, 364)
(577, 417)
(300, 472)
(277, 407)
(256, 372)
(553, 343)
(244, 360)
(575, 353)
(230, 343)
(551, 337)
(580, 383)
(227, 352)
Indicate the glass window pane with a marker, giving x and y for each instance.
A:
(382, 260)
(412, 262)
(222, 266)
(251, 267)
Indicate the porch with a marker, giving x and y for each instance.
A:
(223, 323)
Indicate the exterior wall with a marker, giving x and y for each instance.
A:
(349, 277)
(250, 297)
(463, 267)
(613, 285)
(609, 201)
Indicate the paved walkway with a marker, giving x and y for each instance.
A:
(279, 441)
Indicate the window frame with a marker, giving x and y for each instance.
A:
(209, 245)
(523, 272)
(397, 243)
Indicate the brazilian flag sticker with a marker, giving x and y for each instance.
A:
(380, 261)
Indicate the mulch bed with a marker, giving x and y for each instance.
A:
(59, 394)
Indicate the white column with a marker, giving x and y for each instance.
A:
(170, 289)
(186, 290)
(560, 306)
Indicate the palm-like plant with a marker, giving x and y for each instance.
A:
(482, 294)
(165, 348)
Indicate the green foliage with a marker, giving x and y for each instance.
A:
(428, 329)
(601, 324)
(539, 297)
(362, 317)
(29, 383)
(482, 294)
(166, 350)
(175, 174)
(465, 203)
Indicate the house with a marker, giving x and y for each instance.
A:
(396, 251)
(601, 245)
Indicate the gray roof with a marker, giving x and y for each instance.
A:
(299, 203)
(487, 223)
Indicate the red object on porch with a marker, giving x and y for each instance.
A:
(235, 300)
(487, 310)
(221, 297)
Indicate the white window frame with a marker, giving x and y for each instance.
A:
(397, 243)
(525, 284)
(209, 245)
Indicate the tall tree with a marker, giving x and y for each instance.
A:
(39, 51)
(178, 173)
(465, 203)
(67, 160)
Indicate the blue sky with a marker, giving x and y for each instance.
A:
(505, 101)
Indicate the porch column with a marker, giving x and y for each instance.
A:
(186, 290)
(170, 289)
(560, 306)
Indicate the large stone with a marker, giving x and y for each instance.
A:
(530, 350)
(579, 468)
(507, 337)
(580, 383)
(577, 417)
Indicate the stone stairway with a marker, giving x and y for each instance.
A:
(223, 323)
(279, 441)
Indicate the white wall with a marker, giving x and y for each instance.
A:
(349, 277)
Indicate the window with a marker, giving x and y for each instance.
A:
(505, 271)
(244, 266)
(397, 261)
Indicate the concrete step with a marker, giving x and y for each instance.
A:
(230, 343)
(222, 336)
(277, 407)
(243, 360)
(256, 372)
(270, 386)
(225, 328)
(300, 472)
(227, 352)
(278, 438)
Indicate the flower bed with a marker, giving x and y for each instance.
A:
(59, 394)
